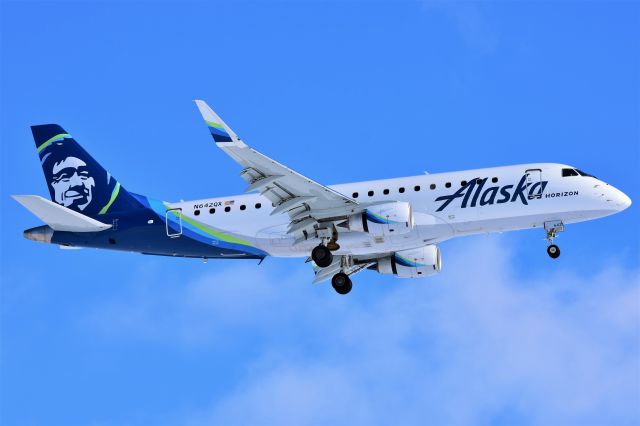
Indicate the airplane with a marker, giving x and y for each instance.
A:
(391, 226)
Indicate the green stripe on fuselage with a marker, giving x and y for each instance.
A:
(212, 232)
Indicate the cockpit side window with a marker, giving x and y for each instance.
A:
(569, 172)
(581, 173)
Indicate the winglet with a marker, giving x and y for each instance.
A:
(220, 132)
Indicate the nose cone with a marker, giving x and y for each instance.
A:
(620, 199)
(625, 201)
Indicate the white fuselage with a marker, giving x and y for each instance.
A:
(496, 203)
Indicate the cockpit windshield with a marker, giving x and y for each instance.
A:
(575, 172)
(584, 174)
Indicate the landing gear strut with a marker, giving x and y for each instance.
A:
(333, 242)
(341, 283)
(322, 256)
(553, 228)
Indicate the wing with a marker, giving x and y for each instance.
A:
(306, 201)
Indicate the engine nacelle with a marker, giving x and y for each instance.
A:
(420, 262)
(395, 218)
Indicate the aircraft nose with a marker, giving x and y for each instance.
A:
(620, 199)
(624, 201)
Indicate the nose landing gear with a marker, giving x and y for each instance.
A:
(553, 228)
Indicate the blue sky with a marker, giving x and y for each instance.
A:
(340, 92)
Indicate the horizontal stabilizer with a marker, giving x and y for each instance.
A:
(58, 217)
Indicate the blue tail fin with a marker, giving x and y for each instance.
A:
(74, 178)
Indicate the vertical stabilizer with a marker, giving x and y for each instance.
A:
(75, 180)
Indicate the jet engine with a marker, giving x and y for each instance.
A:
(395, 218)
(414, 263)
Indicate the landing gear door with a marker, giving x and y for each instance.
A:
(534, 183)
(173, 222)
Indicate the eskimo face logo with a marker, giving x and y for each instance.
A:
(473, 193)
(72, 184)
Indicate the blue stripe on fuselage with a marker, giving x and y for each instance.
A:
(133, 232)
(190, 231)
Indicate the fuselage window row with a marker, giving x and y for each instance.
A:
(386, 191)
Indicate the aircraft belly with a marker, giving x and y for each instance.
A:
(153, 239)
(277, 243)
(533, 219)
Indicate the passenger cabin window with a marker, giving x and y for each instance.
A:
(385, 192)
(196, 212)
(463, 183)
(370, 193)
(227, 209)
(416, 188)
(243, 207)
(494, 180)
(432, 186)
(401, 190)
(447, 185)
(569, 172)
(354, 195)
(212, 210)
(258, 205)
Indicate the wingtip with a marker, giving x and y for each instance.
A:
(25, 198)
(206, 111)
(18, 198)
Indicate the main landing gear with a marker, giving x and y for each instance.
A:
(553, 228)
(341, 283)
(322, 256)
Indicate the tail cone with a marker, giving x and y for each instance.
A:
(41, 234)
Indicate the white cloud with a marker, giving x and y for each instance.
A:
(475, 345)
